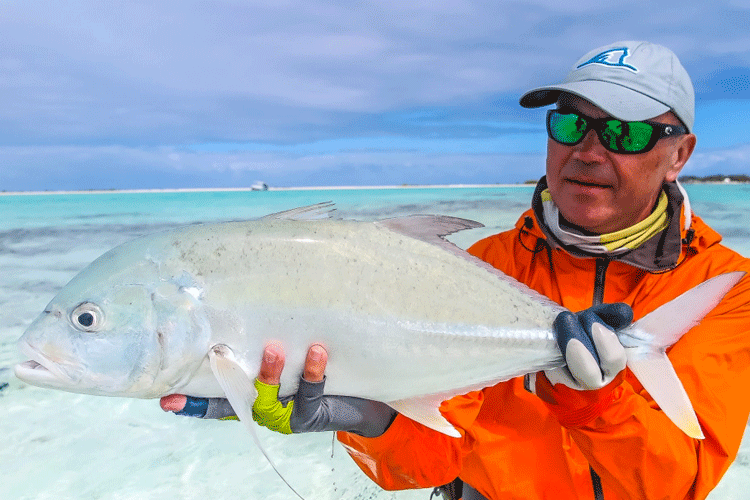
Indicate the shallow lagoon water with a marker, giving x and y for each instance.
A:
(58, 445)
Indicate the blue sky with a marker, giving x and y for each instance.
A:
(175, 94)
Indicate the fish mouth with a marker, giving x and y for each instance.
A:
(35, 373)
(39, 370)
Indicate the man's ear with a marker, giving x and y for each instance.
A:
(680, 155)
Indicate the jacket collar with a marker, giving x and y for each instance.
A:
(660, 253)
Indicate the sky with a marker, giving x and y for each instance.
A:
(220, 94)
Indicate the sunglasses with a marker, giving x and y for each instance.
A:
(569, 128)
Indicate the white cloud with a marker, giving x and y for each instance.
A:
(127, 167)
(734, 160)
(143, 75)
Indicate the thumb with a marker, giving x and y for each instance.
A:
(315, 364)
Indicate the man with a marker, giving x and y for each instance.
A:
(608, 224)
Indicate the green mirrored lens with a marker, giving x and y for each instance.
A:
(637, 137)
(612, 133)
(616, 135)
(566, 128)
(631, 137)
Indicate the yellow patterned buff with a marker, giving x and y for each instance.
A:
(612, 243)
(268, 410)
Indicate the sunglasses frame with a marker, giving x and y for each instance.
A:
(661, 130)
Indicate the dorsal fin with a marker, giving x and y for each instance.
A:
(433, 229)
(428, 228)
(310, 212)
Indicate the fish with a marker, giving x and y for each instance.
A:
(407, 317)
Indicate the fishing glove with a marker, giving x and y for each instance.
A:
(212, 408)
(582, 391)
(309, 410)
(593, 353)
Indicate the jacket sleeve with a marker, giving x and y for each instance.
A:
(638, 452)
(409, 455)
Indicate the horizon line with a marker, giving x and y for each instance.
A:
(250, 189)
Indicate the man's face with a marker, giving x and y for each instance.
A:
(603, 192)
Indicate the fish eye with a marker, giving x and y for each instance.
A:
(87, 317)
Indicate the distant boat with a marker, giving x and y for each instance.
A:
(259, 186)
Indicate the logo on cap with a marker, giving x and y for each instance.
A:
(612, 57)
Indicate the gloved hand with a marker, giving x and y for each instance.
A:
(592, 351)
(309, 410)
(213, 408)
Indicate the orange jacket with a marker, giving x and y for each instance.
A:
(513, 446)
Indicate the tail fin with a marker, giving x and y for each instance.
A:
(646, 342)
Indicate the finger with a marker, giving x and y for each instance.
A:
(268, 410)
(272, 364)
(562, 376)
(582, 365)
(308, 407)
(569, 326)
(616, 316)
(315, 363)
(611, 351)
(173, 402)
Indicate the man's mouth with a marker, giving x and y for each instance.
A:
(589, 183)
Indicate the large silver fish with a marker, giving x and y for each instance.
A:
(407, 317)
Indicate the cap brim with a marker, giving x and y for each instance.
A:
(614, 99)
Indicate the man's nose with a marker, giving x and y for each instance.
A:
(590, 149)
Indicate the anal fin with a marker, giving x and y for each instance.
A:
(425, 410)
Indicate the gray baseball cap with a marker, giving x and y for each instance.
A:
(632, 81)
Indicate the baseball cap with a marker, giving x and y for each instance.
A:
(632, 81)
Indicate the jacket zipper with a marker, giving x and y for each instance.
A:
(601, 270)
(599, 277)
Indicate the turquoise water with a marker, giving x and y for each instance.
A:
(58, 445)
(184, 207)
(724, 207)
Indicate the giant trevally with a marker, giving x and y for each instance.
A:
(407, 317)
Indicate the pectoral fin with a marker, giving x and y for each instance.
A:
(239, 388)
(237, 385)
